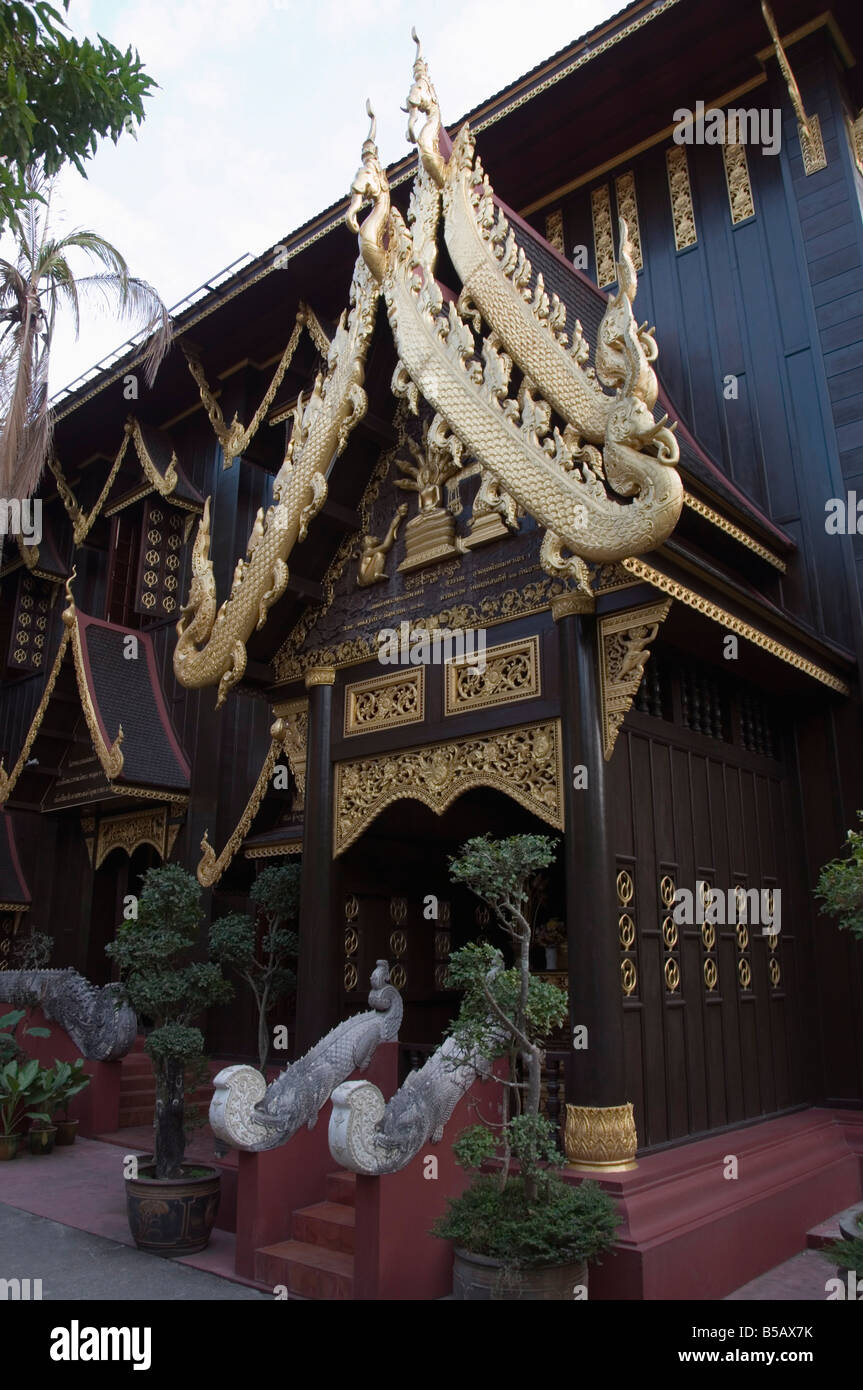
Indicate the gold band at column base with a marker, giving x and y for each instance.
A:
(320, 675)
(601, 1138)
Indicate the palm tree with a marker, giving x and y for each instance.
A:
(31, 293)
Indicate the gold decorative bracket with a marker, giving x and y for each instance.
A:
(624, 643)
(295, 714)
(211, 867)
(82, 522)
(236, 438)
(808, 127)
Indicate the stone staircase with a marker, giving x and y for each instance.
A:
(318, 1263)
(138, 1089)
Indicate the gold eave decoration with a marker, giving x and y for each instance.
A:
(641, 570)
(110, 756)
(624, 648)
(128, 832)
(572, 483)
(164, 484)
(211, 640)
(212, 866)
(524, 762)
(236, 438)
(742, 537)
(808, 127)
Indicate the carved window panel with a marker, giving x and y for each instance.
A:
(680, 192)
(603, 239)
(738, 183)
(627, 207)
(157, 591)
(626, 930)
(385, 702)
(554, 230)
(512, 672)
(30, 625)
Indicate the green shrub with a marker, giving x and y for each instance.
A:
(564, 1224)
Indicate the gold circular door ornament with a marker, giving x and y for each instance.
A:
(706, 890)
(482, 916)
(443, 911)
(667, 890)
(398, 976)
(352, 908)
(352, 941)
(711, 974)
(744, 973)
(398, 943)
(351, 977)
(442, 943)
(669, 933)
(440, 974)
(742, 936)
(773, 940)
(775, 972)
(625, 888)
(708, 935)
(626, 931)
(628, 977)
(741, 903)
(398, 909)
(672, 975)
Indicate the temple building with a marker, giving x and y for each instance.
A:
(588, 383)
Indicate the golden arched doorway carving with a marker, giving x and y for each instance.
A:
(524, 762)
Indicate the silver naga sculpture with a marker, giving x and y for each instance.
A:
(100, 1025)
(247, 1114)
(370, 1136)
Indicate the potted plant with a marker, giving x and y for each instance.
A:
(9, 1025)
(172, 1206)
(42, 1132)
(233, 942)
(524, 1234)
(70, 1080)
(552, 936)
(20, 1098)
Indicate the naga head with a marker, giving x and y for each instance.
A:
(370, 182)
(423, 113)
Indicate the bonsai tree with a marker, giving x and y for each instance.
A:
(163, 982)
(840, 885)
(233, 942)
(534, 1218)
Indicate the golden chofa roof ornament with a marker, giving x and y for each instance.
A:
(573, 472)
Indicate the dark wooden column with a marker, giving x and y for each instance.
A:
(317, 972)
(600, 1132)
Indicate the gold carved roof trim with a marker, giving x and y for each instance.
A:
(722, 523)
(712, 610)
(212, 866)
(131, 830)
(524, 762)
(211, 639)
(8, 779)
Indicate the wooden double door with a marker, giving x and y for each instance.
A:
(717, 1015)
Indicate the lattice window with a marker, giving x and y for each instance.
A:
(30, 626)
(157, 589)
(703, 702)
(759, 731)
(653, 696)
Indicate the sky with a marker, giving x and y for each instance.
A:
(259, 119)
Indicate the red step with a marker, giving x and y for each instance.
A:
(329, 1225)
(341, 1187)
(311, 1271)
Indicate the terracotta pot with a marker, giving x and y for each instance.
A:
(8, 1146)
(41, 1140)
(66, 1131)
(850, 1222)
(476, 1278)
(172, 1216)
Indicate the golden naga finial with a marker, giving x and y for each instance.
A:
(370, 182)
(69, 613)
(422, 101)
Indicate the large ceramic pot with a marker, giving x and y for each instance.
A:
(66, 1131)
(8, 1146)
(172, 1216)
(476, 1278)
(40, 1138)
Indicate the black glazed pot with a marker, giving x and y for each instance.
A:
(172, 1216)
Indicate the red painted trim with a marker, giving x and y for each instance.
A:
(16, 863)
